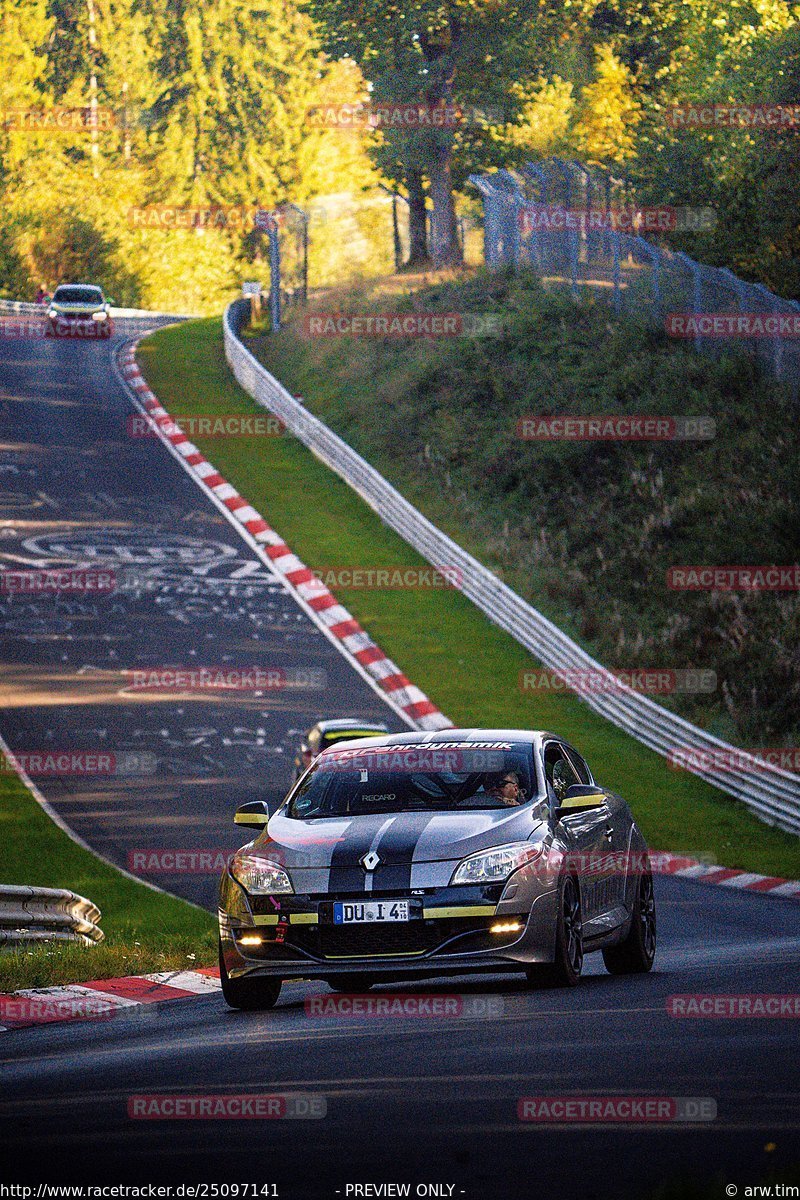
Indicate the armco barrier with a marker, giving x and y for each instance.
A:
(772, 793)
(30, 914)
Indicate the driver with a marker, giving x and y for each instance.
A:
(505, 788)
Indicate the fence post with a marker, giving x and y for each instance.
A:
(777, 340)
(304, 255)
(697, 294)
(615, 268)
(654, 254)
(274, 275)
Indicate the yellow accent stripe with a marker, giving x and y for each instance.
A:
(593, 801)
(303, 919)
(250, 819)
(268, 920)
(463, 910)
(396, 954)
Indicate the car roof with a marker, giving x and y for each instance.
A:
(339, 723)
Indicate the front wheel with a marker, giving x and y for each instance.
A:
(248, 994)
(634, 955)
(565, 971)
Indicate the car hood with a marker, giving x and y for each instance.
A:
(398, 838)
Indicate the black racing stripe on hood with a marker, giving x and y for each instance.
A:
(346, 873)
(396, 849)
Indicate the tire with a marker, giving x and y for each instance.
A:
(248, 994)
(350, 983)
(634, 955)
(566, 969)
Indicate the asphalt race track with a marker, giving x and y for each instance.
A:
(431, 1100)
(79, 491)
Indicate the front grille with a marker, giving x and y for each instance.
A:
(356, 941)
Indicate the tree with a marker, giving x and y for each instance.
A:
(466, 53)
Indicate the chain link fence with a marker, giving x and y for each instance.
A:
(580, 228)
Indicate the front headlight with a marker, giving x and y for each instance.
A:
(495, 866)
(52, 313)
(259, 876)
(99, 316)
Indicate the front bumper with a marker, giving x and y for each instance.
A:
(78, 325)
(448, 934)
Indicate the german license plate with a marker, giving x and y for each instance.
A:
(358, 912)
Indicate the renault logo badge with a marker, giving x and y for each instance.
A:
(370, 861)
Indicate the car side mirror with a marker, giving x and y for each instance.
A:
(580, 797)
(254, 813)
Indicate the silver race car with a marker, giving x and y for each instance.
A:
(415, 855)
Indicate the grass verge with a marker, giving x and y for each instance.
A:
(144, 930)
(465, 664)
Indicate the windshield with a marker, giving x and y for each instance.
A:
(78, 295)
(448, 777)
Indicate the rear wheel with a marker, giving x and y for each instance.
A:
(350, 983)
(634, 955)
(565, 970)
(248, 994)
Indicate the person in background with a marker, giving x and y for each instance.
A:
(42, 296)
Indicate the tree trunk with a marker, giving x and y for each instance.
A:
(417, 220)
(445, 246)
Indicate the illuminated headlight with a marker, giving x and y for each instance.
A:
(52, 313)
(99, 316)
(259, 876)
(495, 866)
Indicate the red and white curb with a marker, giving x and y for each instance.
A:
(666, 863)
(330, 615)
(102, 998)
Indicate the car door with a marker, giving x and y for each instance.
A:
(585, 831)
(609, 886)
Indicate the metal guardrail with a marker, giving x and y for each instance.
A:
(772, 793)
(30, 914)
